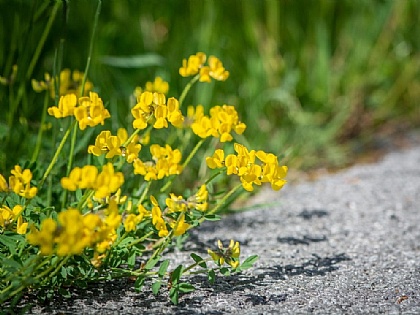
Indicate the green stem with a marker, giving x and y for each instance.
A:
(55, 267)
(187, 160)
(139, 240)
(40, 131)
(196, 264)
(187, 89)
(55, 158)
(224, 199)
(95, 24)
(70, 162)
(33, 62)
(87, 195)
(214, 176)
(145, 191)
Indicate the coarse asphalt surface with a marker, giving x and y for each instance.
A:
(346, 243)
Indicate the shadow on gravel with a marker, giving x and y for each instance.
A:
(317, 266)
(121, 292)
(309, 214)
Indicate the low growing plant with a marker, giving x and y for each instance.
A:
(114, 216)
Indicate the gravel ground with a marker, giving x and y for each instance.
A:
(346, 243)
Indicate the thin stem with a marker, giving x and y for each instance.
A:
(34, 60)
(87, 195)
(70, 162)
(214, 176)
(187, 89)
(55, 158)
(95, 24)
(41, 129)
(224, 199)
(145, 191)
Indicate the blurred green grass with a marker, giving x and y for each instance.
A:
(307, 77)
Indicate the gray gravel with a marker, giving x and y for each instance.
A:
(347, 243)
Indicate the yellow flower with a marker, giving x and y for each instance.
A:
(44, 237)
(165, 162)
(245, 165)
(157, 218)
(214, 70)
(159, 86)
(217, 160)
(180, 226)
(221, 122)
(230, 255)
(20, 183)
(65, 108)
(3, 184)
(152, 107)
(91, 111)
(69, 83)
(131, 222)
(108, 181)
(193, 65)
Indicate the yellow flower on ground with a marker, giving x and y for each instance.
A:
(229, 255)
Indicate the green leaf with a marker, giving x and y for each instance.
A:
(125, 241)
(156, 287)
(139, 283)
(249, 262)
(11, 263)
(136, 61)
(201, 262)
(176, 274)
(63, 272)
(163, 267)
(212, 217)
(151, 263)
(225, 271)
(186, 287)
(131, 259)
(9, 242)
(65, 293)
(174, 294)
(212, 276)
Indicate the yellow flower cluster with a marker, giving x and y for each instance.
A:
(198, 201)
(153, 107)
(110, 145)
(158, 85)
(88, 177)
(8, 216)
(178, 226)
(243, 164)
(70, 83)
(165, 162)
(220, 124)
(89, 112)
(195, 65)
(230, 255)
(74, 232)
(19, 183)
